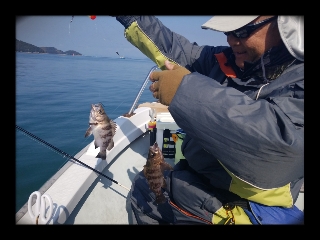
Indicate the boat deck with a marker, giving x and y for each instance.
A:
(111, 200)
(105, 195)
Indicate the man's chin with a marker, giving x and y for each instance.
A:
(240, 64)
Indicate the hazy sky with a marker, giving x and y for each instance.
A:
(104, 36)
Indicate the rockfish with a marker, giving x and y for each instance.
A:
(153, 171)
(102, 128)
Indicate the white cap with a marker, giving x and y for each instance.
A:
(291, 29)
(228, 23)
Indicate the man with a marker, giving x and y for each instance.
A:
(242, 108)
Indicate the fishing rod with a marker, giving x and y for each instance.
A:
(141, 90)
(68, 155)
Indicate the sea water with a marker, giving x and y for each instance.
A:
(54, 94)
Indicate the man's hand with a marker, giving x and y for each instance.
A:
(166, 82)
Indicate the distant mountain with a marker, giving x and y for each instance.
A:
(27, 47)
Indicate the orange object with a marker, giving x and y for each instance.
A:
(93, 17)
(174, 137)
(152, 125)
(222, 60)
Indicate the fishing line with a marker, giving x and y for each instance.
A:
(105, 37)
(107, 26)
(70, 23)
(67, 155)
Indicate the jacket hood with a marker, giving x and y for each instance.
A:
(291, 30)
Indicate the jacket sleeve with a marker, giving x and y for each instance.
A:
(159, 43)
(259, 141)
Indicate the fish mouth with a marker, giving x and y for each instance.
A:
(93, 106)
(93, 110)
(92, 115)
(155, 147)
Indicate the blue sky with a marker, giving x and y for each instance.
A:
(104, 36)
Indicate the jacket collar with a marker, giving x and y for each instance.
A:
(270, 66)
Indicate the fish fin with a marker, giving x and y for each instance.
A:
(164, 184)
(160, 199)
(145, 171)
(114, 127)
(165, 166)
(111, 145)
(88, 132)
(101, 155)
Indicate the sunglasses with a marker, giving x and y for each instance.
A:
(247, 30)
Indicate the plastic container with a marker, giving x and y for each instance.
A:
(172, 145)
(180, 134)
(165, 121)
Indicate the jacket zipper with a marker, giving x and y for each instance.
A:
(188, 213)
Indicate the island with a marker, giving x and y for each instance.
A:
(29, 48)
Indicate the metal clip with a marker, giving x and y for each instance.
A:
(230, 220)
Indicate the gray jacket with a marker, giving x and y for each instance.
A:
(252, 125)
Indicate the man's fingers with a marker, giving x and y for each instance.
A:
(154, 90)
(154, 87)
(155, 95)
(154, 76)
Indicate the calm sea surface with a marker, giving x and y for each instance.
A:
(54, 94)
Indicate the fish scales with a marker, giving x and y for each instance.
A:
(153, 172)
(102, 128)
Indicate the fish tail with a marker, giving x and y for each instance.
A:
(102, 155)
(111, 145)
(88, 132)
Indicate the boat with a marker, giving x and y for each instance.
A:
(89, 190)
(120, 56)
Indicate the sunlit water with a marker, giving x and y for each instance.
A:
(54, 94)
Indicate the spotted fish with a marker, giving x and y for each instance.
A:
(153, 171)
(102, 128)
